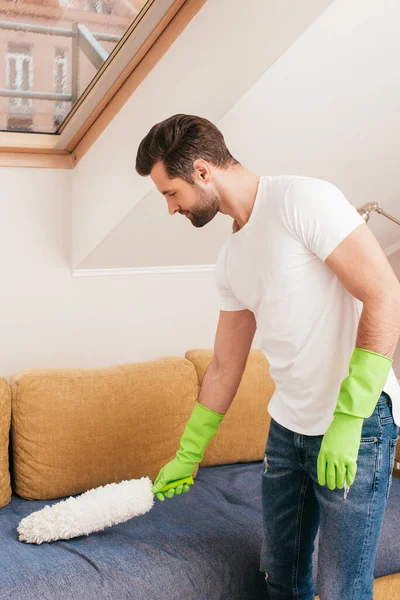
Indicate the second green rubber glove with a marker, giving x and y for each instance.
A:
(358, 396)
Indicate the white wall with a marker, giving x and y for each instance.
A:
(50, 319)
(394, 260)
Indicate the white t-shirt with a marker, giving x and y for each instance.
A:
(307, 321)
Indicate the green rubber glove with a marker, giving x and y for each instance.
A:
(358, 396)
(200, 429)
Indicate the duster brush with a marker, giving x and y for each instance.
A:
(92, 511)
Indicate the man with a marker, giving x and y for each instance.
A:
(303, 267)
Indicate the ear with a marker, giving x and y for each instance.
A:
(202, 170)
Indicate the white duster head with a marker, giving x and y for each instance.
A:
(94, 510)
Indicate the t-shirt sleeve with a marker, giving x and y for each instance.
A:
(319, 215)
(228, 300)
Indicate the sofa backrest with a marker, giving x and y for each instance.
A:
(5, 417)
(75, 429)
(243, 432)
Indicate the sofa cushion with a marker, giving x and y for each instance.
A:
(5, 418)
(204, 544)
(75, 429)
(201, 545)
(242, 435)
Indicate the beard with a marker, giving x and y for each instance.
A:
(205, 210)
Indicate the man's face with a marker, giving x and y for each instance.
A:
(198, 202)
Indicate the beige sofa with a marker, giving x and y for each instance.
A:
(74, 429)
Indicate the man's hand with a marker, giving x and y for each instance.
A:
(179, 483)
(337, 459)
(358, 396)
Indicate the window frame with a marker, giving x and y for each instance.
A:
(106, 94)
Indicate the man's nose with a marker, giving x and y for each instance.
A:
(173, 208)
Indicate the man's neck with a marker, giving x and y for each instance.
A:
(238, 190)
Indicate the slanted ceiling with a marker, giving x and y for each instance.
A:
(321, 100)
(224, 50)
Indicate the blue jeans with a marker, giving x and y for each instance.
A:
(349, 521)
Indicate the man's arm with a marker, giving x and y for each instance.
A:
(233, 340)
(235, 333)
(362, 267)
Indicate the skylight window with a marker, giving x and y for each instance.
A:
(52, 50)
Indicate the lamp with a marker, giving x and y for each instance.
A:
(366, 210)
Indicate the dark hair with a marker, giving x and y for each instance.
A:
(178, 142)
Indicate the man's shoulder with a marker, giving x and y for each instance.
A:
(301, 183)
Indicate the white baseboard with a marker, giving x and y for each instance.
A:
(143, 271)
